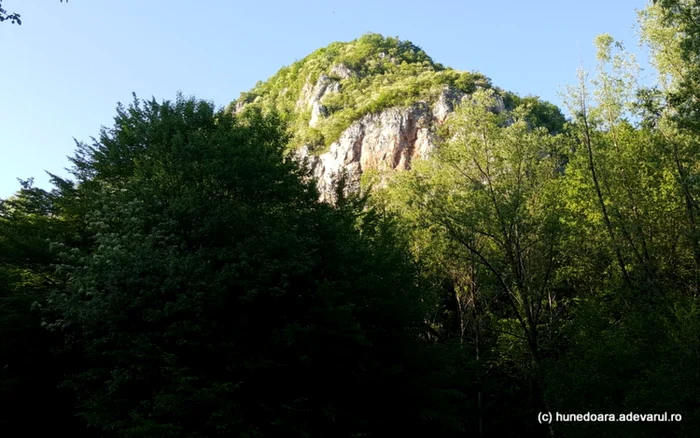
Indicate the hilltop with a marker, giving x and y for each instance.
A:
(372, 103)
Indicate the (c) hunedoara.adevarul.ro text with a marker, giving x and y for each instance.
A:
(548, 417)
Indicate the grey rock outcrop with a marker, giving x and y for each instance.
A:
(389, 141)
(385, 142)
(311, 96)
(341, 71)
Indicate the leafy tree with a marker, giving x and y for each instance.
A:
(671, 31)
(221, 298)
(31, 358)
(635, 270)
(491, 196)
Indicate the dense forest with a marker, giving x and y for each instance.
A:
(188, 282)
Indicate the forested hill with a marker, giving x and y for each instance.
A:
(374, 105)
(522, 275)
(364, 76)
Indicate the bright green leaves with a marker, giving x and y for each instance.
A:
(486, 220)
(615, 82)
(380, 73)
(491, 192)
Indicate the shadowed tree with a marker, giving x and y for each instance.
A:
(222, 299)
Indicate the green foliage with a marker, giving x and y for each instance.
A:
(541, 113)
(31, 359)
(485, 216)
(670, 29)
(221, 298)
(648, 358)
(386, 72)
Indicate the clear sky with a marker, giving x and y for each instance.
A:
(64, 70)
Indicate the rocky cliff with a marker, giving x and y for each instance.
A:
(373, 104)
(388, 141)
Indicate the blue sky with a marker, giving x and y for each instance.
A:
(64, 70)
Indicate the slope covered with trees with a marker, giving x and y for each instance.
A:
(200, 289)
(188, 281)
(373, 73)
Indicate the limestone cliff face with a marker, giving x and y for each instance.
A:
(372, 104)
(384, 142)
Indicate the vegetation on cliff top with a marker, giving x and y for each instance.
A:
(382, 72)
(386, 72)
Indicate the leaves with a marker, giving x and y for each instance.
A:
(13, 18)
